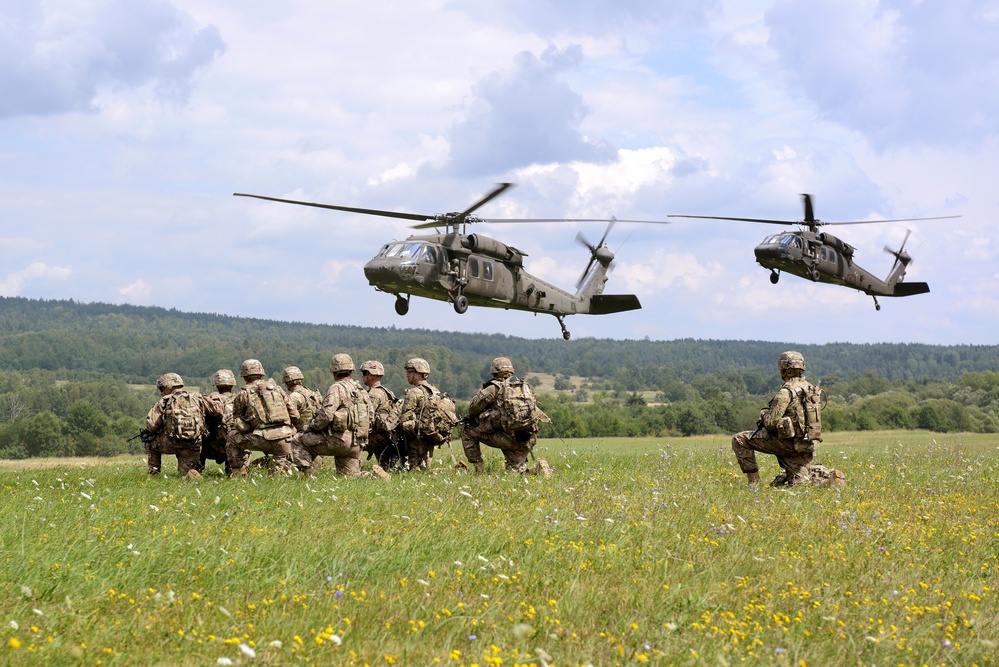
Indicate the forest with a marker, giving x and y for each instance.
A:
(77, 379)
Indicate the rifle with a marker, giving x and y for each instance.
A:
(145, 435)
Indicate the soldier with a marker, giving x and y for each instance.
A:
(218, 419)
(382, 442)
(177, 422)
(504, 414)
(262, 416)
(340, 427)
(421, 419)
(306, 400)
(780, 430)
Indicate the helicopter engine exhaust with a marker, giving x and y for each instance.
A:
(837, 244)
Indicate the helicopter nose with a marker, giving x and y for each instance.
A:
(378, 272)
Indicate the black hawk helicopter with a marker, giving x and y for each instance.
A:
(822, 257)
(475, 270)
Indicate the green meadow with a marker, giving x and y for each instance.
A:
(637, 551)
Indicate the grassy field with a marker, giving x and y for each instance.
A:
(636, 551)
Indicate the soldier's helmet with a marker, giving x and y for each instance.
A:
(373, 367)
(501, 365)
(341, 363)
(251, 367)
(224, 378)
(418, 365)
(169, 381)
(291, 374)
(791, 361)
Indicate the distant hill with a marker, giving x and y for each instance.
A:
(135, 343)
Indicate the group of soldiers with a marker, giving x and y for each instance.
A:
(297, 428)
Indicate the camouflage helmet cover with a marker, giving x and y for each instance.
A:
(224, 378)
(373, 367)
(418, 365)
(251, 367)
(501, 365)
(791, 360)
(292, 373)
(341, 363)
(169, 381)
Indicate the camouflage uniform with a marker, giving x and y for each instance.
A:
(486, 427)
(793, 452)
(305, 399)
(383, 443)
(419, 448)
(329, 432)
(218, 419)
(249, 433)
(187, 451)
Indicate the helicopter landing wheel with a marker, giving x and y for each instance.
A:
(565, 332)
(401, 305)
(877, 306)
(460, 304)
(814, 275)
(774, 277)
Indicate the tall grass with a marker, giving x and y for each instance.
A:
(637, 551)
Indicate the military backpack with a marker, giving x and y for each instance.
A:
(183, 418)
(267, 403)
(387, 420)
(435, 416)
(810, 396)
(517, 406)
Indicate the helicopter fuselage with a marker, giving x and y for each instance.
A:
(819, 257)
(487, 272)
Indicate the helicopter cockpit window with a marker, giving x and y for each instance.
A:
(411, 250)
(429, 254)
(790, 240)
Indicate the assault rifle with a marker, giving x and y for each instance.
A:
(145, 435)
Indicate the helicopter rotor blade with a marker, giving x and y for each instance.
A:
(496, 192)
(809, 212)
(349, 209)
(874, 222)
(718, 217)
(527, 220)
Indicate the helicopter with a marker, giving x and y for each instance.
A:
(822, 257)
(475, 270)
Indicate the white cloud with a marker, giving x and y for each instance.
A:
(139, 292)
(13, 283)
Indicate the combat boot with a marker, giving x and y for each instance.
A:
(480, 467)
(193, 474)
(753, 477)
(543, 469)
(378, 470)
(239, 473)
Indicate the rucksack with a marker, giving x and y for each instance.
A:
(266, 401)
(361, 415)
(810, 396)
(388, 419)
(435, 416)
(183, 418)
(517, 406)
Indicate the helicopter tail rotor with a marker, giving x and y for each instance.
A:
(598, 253)
(901, 256)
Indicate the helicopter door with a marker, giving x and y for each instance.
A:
(489, 279)
(428, 265)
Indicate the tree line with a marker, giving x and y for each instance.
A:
(76, 379)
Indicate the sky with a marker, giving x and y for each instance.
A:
(127, 125)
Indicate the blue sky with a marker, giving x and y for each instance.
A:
(126, 125)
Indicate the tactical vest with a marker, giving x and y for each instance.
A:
(183, 418)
